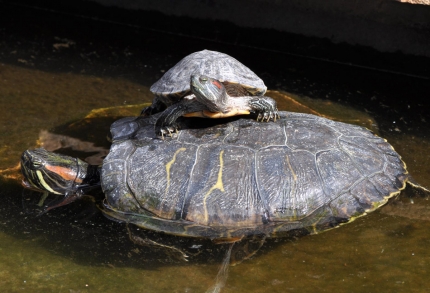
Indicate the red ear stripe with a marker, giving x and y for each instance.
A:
(66, 173)
(218, 85)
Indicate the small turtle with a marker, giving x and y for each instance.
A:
(176, 90)
(210, 99)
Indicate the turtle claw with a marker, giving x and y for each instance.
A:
(265, 107)
(267, 116)
(259, 117)
(168, 131)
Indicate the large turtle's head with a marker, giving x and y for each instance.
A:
(209, 91)
(51, 172)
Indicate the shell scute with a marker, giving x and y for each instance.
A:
(243, 177)
(175, 83)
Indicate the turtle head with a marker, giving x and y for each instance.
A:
(54, 173)
(210, 92)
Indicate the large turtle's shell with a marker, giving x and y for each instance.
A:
(176, 81)
(245, 177)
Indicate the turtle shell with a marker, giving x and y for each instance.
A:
(301, 172)
(176, 81)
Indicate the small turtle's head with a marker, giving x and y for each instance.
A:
(51, 172)
(208, 91)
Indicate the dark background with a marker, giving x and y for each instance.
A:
(102, 39)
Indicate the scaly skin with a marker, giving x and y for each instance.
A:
(58, 174)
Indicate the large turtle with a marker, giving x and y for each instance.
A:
(178, 91)
(227, 181)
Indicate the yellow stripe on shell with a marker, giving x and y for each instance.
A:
(217, 185)
(169, 165)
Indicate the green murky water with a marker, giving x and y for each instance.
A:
(55, 68)
(75, 249)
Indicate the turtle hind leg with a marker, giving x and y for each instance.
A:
(156, 107)
(170, 250)
(414, 189)
(411, 181)
(246, 248)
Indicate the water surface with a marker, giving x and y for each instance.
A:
(51, 81)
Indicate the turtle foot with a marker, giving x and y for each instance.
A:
(268, 116)
(265, 108)
(168, 131)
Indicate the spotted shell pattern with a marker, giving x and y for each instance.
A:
(220, 66)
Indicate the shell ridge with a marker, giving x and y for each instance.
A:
(282, 146)
(257, 183)
(292, 188)
(232, 128)
(370, 145)
(186, 195)
(178, 138)
(211, 63)
(284, 128)
(125, 174)
(319, 173)
(354, 162)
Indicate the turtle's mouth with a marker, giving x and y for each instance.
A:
(25, 183)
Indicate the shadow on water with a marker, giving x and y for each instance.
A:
(79, 232)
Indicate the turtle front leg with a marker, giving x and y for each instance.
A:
(166, 124)
(265, 107)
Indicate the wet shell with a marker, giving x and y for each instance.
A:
(176, 81)
(301, 172)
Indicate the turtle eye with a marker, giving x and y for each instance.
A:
(36, 164)
(203, 78)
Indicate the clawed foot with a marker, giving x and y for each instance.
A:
(166, 130)
(268, 115)
(265, 107)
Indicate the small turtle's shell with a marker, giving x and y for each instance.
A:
(301, 172)
(175, 83)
